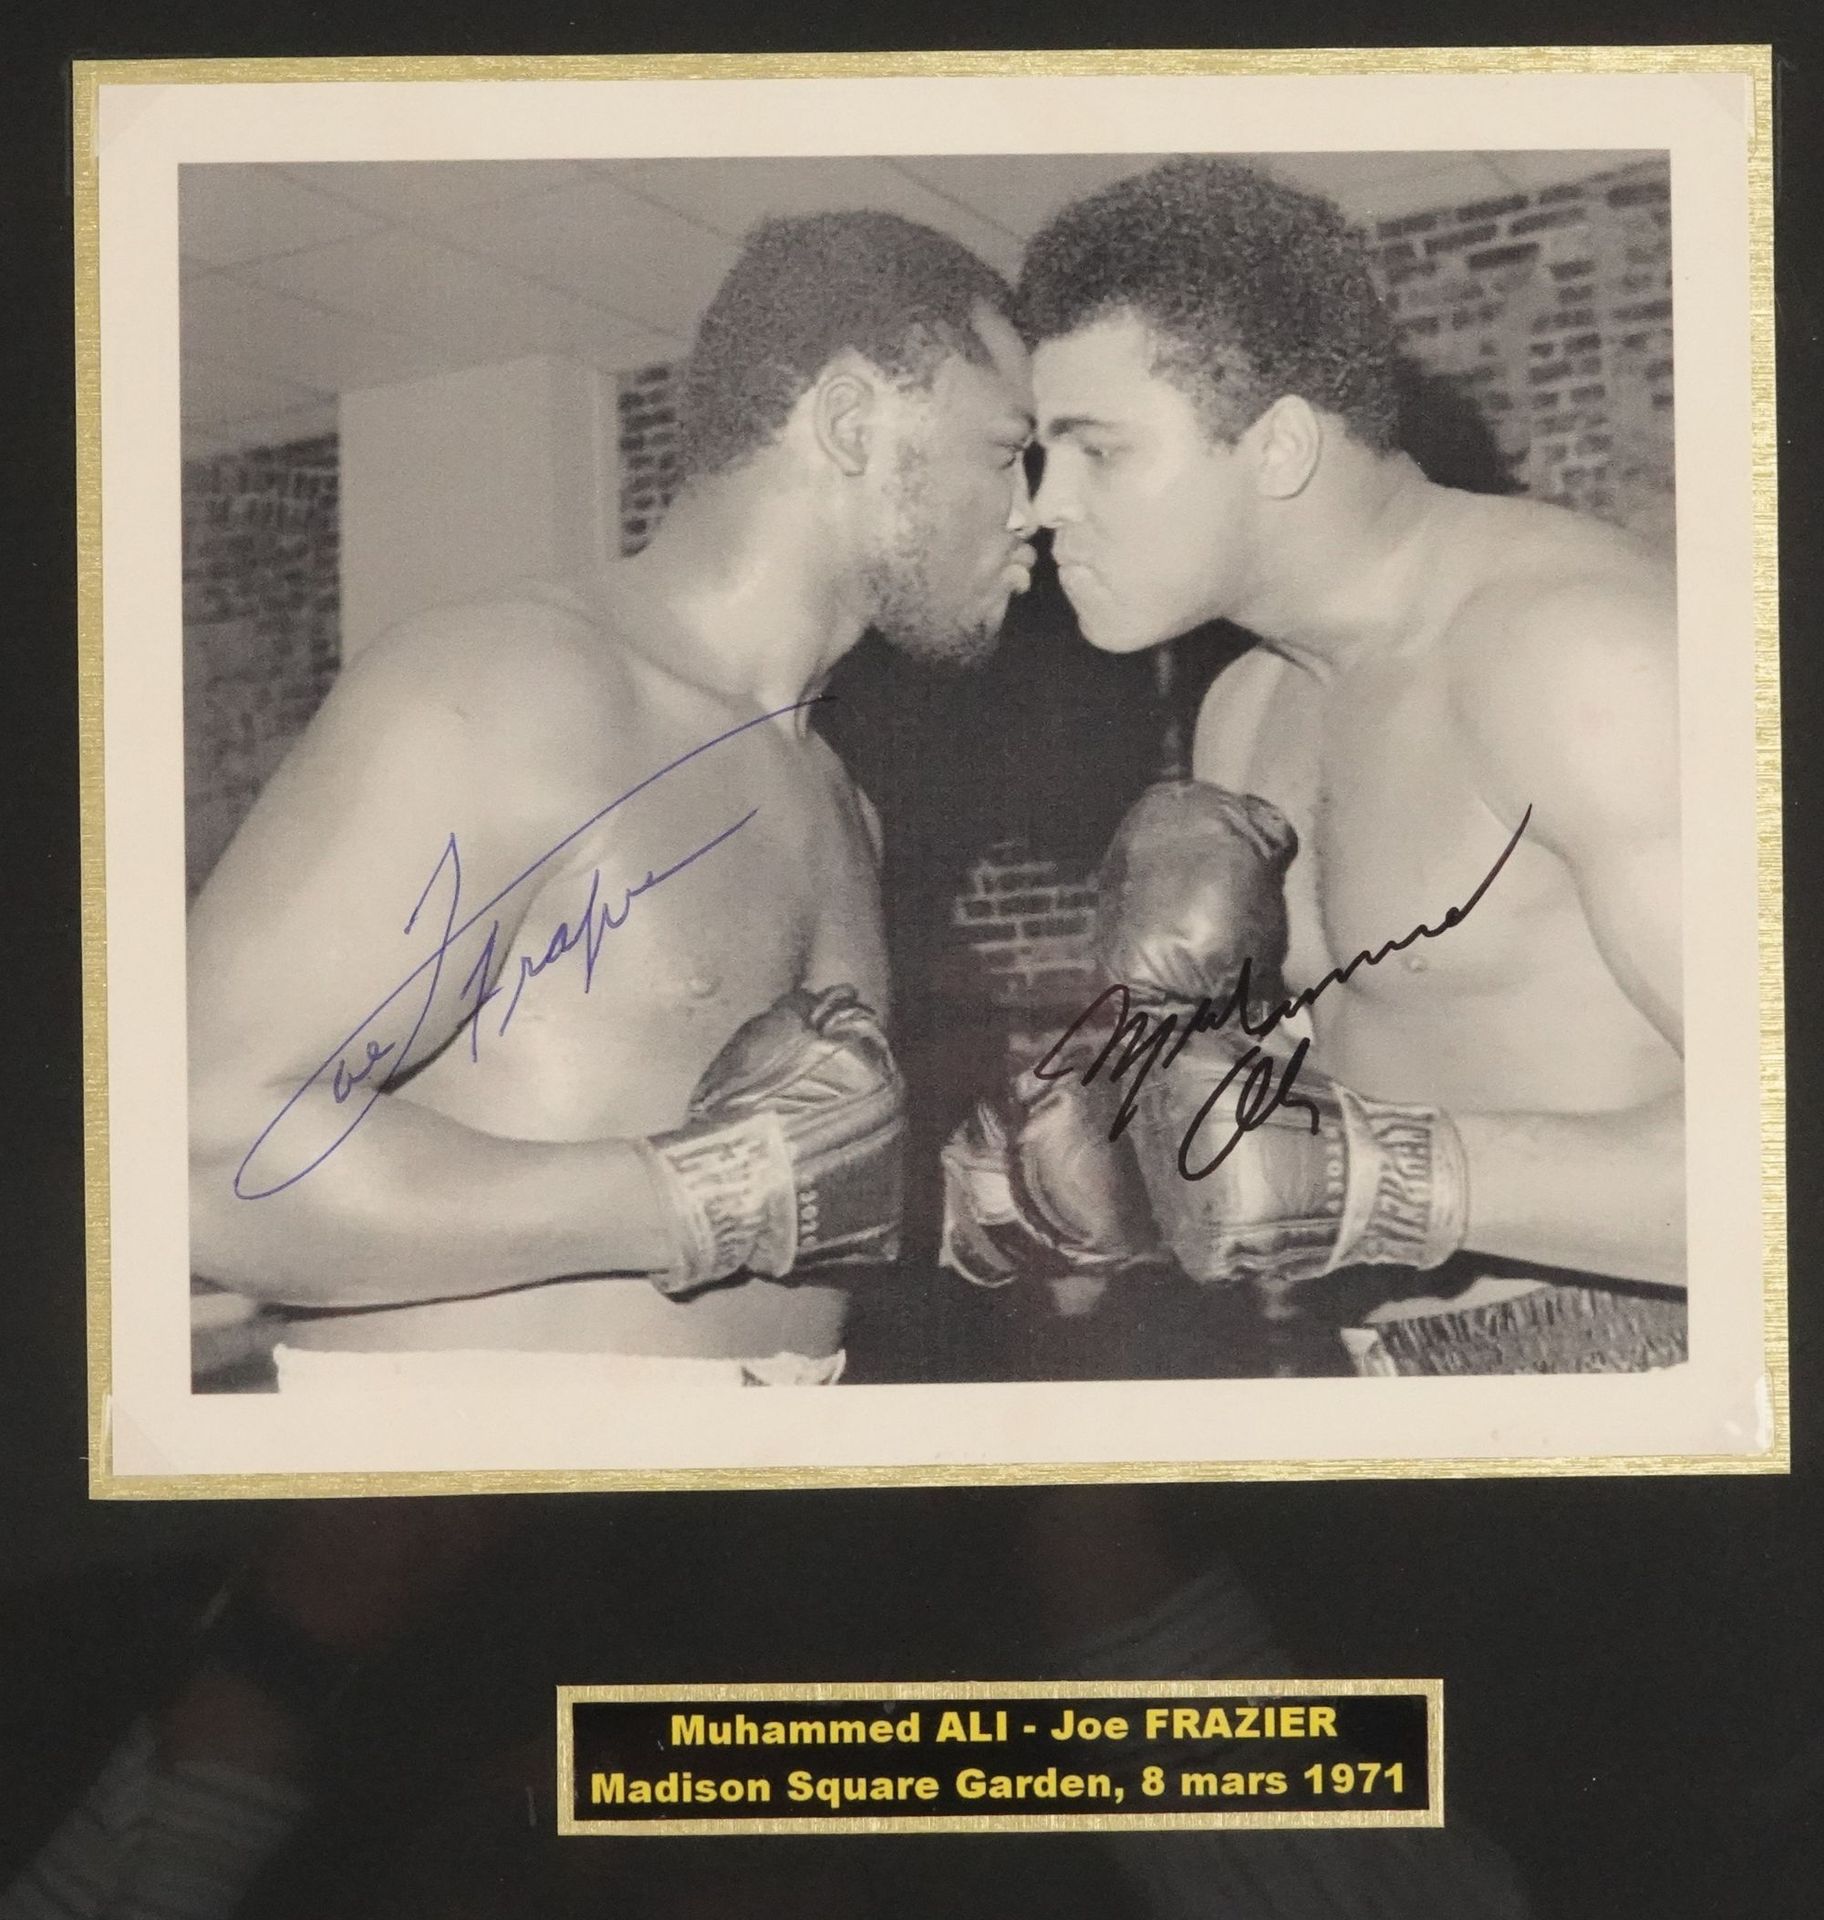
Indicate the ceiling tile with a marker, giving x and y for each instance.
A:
(1382, 186)
(611, 263)
(242, 324)
(1535, 167)
(730, 196)
(408, 190)
(230, 213)
(1022, 191)
(473, 309)
(592, 239)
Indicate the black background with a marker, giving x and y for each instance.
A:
(1634, 1669)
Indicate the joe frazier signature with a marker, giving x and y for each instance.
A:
(359, 1069)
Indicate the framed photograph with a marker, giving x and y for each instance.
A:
(1083, 750)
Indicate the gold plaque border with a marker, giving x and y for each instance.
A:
(1432, 1691)
(1753, 61)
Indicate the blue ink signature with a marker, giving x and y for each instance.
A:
(355, 1060)
(598, 920)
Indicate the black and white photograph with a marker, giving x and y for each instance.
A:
(1091, 797)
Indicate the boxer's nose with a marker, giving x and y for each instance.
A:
(1051, 504)
(1021, 518)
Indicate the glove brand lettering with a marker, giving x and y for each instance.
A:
(811, 1108)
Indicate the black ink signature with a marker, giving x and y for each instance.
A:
(353, 1063)
(1148, 1040)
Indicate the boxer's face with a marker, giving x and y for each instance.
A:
(1152, 520)
(956, 518)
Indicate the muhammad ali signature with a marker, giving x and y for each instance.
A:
(360, 1068)
(1148, 1040)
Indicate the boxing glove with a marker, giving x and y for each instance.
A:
(1261, 1168)
(791, 1151)
(1258, 1166)
(1035, 1188)
(1191, 897)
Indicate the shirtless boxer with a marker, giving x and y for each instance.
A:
(1440, 675)
(534, 1007)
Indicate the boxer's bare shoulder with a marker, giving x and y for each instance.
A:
(482, 722)
(1564, 691)
(1508, 537)
(1562, 676)
(501, 702)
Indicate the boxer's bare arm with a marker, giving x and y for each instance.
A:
(1570, 706)
(455, 739)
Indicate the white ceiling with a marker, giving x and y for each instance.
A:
(301, 282)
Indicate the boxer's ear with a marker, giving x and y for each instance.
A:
(1288, 440)
(843, 409)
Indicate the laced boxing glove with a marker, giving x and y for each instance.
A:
(1191, 897)
(1315, 1176)
(1034, 1187)
(791, 1152)
(1258, 1165)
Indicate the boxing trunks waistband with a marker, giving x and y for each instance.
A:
(470, 1370)
(1553, 1328)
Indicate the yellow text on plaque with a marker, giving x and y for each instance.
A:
(837, 1788)
(675, 1789)
(974, 1726)
(973, 1784)
(696, 1730)
(1241, 1723)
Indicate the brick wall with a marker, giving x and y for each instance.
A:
(650, 468)
(1553, 311)
(261, 625)
(1549, 312)
(1026, 922)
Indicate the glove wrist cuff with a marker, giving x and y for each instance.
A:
(978, 1204)
(728, 1190)
(1417, 1212)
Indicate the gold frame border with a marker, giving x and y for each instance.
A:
(1753, 61)
(1431, 1691)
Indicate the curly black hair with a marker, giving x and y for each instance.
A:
(805, 288)
(1251, 288)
